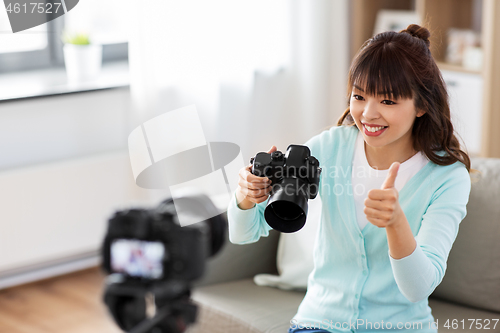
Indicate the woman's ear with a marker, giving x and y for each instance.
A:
(420, 113)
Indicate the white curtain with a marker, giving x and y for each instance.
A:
(260, 73)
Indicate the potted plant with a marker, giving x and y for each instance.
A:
(82, 58)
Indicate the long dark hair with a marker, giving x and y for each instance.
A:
(401, 64)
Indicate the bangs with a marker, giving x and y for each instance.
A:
(380, 71)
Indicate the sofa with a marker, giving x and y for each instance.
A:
(467, 300)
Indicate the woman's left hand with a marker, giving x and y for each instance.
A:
(382, 206)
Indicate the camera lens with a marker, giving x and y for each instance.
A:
(295, 179)
(286, 209)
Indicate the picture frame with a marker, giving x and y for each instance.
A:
(394, 20)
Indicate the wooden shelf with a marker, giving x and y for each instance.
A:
(456, 68)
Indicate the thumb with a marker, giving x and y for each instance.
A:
(273, 149)
(391, 176)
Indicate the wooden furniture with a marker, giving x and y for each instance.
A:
(438, 16)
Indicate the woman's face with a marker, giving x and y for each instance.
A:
(395, 116)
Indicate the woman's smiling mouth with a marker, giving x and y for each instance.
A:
(373, 130)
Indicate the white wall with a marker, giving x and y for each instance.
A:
(64, 170)
(58, 127)
(63, 160)
(466, 104)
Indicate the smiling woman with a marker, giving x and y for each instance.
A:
(381, 251)
(394, 81)
(386, 126)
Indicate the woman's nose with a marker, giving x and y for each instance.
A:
(371, 110)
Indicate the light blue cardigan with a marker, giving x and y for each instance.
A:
(355, 285)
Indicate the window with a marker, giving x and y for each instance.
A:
(33, 40)
(27, 49)
(41, 46)
(106, 22)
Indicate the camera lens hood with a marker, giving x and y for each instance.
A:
(286, 210)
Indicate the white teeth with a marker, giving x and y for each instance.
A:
(373, 129)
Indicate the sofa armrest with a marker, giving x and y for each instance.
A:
(234, 262)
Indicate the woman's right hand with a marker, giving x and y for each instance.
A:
(251, 188)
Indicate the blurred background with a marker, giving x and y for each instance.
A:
(260, 73)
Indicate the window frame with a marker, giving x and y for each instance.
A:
(52, 56)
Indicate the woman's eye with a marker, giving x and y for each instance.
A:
(388, 102)
(358, 97)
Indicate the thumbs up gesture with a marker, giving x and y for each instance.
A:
(382, 205)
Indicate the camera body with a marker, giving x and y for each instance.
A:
(152, 261)
(295, 178)
(149, 245)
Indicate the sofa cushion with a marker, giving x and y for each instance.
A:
(236, 262)
(473, 274)
(445, 312)
(243, 307)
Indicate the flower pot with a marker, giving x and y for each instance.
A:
(83, 62)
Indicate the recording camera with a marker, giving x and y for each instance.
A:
(152, 262)
(294, 179)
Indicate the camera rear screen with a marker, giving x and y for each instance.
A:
(137, 258)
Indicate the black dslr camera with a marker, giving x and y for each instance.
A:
(294, 179)
(152, 261)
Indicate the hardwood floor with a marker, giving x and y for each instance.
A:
(66, 304)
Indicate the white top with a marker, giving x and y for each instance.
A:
(365, 178)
